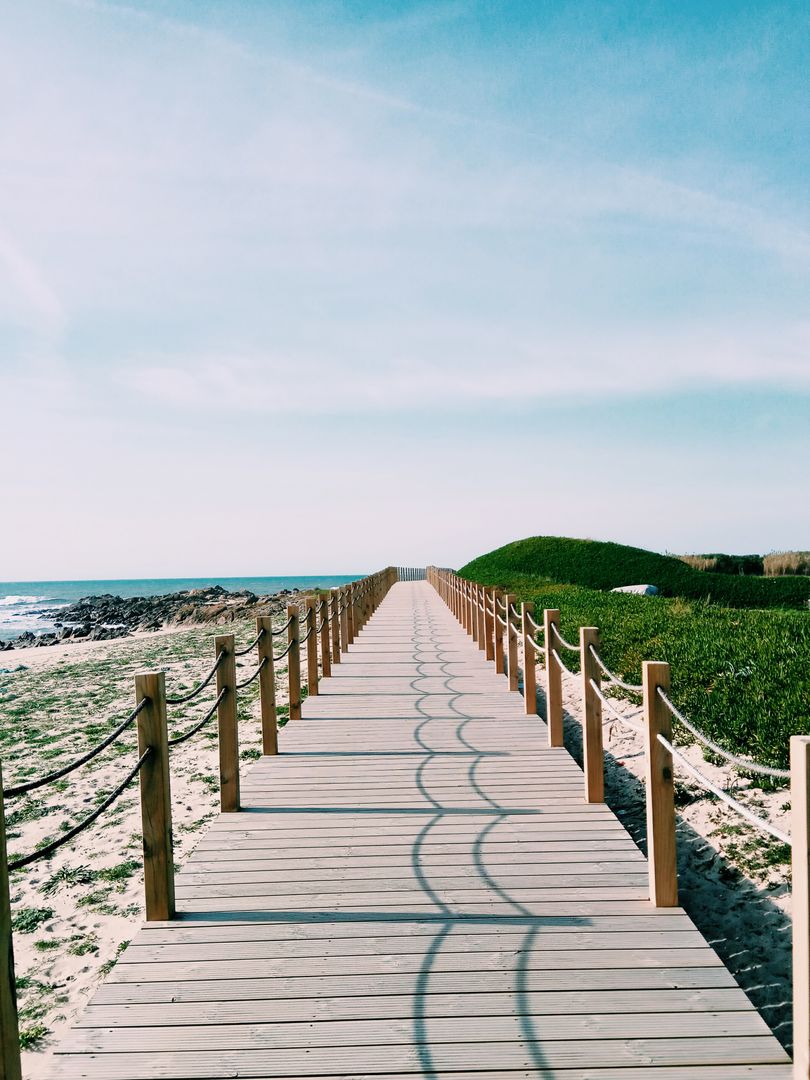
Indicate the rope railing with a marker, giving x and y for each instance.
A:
(251, 646)
(565, 644)
(283, 629)
(58, 774)
(534, 625)
(559, 660)
(252, 678)
(47, 850)
(608, 704)
(615, 680)
(539, 649)
(183, 698)
(177, 740)
(741, 762)
(753, 819)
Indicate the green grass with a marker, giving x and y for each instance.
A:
(743, 676)
(600, 565)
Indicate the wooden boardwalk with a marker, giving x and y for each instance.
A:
(416, 888)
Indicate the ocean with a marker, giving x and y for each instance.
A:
(34, 605)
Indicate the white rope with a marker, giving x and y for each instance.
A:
(637, 728)
(614, 679)
(558, 658)
(743, 763)
(562, 641)
(500, 620)
(743, 811)
(537, 648)
(535, 626)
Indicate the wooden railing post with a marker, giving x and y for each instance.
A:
(489, 625)
(474, 611)
(593, 762)
(512, 644)
(344, 620)
(10, 1068)
(228, 727)
(661, 848)
(800, 864)
(529, 672)
(480, 601)
(156, 798)
(351, 611)
(294, 663)
(267, 685)
(335, 624)
(312, 647)
(498, 634)
(554, 702)
(326, 659)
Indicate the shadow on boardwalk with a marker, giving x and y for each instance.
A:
(751, 934)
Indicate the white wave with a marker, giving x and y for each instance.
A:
(15, 601)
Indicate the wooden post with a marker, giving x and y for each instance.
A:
(661, 850)
(267, 685)
(592, 753)
(10, 1068)
(344, 620)
(529, 658)
(498, 634)
(511, 644)
(335, 625)
(489, 627)
(326, 659)
(156, 798)
(474, 611)
(351, 611)
(800, 862)
(228, 727)
(312, 646)
(554, 702)
(294, 663)
(480, 601)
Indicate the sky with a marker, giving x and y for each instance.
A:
(321, 287)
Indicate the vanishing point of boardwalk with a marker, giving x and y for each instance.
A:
(416, 888)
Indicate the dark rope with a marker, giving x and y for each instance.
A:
(255, 675)
(251, 646)
(308, 634)
(49, 849)
(281, 629)
(193, 693)
(31, 785)
(193, 731)
(282, 655)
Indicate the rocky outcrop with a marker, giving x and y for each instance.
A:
(100, 618)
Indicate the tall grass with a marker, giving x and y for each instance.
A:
(781, 563)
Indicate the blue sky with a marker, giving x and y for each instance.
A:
(307, 287)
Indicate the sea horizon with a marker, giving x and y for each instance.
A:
(35, 605)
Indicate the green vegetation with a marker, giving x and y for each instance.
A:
(600, 565)
(743, 676)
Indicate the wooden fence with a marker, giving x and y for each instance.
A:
(327, 626)
(494, 622)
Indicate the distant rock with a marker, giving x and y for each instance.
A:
(639, 590)
(102, 618)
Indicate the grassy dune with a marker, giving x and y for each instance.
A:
(742, 675)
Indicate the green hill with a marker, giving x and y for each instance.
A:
(597, 564)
